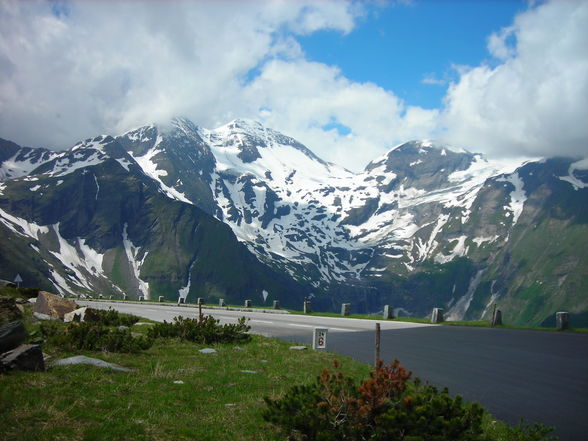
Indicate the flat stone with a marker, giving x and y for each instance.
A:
(82, 359)
(230, 405)
(238, 348)
(12, 335)
(24, 358)
(32, 300)
(263, 361)
(298, 348)
(178, 382)
(40, 316)
(53, 305)
(207, 351)
(245, 371)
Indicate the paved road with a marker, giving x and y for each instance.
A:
(539, 376)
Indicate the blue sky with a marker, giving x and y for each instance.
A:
(349, 79)
(399, 45)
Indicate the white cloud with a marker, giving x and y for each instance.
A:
(94, 67)
(533, 102)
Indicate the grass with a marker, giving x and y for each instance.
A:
(216, 401)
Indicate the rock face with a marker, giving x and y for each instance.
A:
(53, 305)
(25, 357)
(12, 335)
(9, 311)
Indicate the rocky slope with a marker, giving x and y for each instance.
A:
(424, 225)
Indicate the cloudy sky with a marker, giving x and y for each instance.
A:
(349, 79)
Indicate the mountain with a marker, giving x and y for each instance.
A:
(425, 225)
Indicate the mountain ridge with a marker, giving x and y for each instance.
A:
(421, 226)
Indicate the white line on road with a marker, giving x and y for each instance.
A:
(261, 321)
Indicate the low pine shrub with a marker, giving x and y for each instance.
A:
(383, 407)
(92, 336)
(110, 317)
(203, 330)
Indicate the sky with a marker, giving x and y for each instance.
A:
(349, 79)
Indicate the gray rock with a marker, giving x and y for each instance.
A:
(82, 359)
(123, 328)
(9, 312)
(24, 358)
(84, 314)
(53, 305)
(12, 335)
(32, 300)
(178, 382)
(298, 348)
(41, 316)
(245, 371)
(207, 351)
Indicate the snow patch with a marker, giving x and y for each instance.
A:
(132, 254)
(517, 196)
(574, 180)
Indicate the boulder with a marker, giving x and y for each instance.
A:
(12, 335)
(84, 314)
(53, 305)
(9, 312)
(24, 357)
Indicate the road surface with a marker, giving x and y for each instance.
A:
(536, 375)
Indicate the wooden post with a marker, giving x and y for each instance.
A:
(377, 348)
(199, 311)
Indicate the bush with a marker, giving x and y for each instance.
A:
(204, 330)
(92, 337)
(521, 432)
(111, 317)
(383, 407)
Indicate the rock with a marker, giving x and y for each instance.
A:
(53, 305)
(32, 300)
(12, 335)
(123, 328)
(84, 314)
(207, 351)
(9, 312)
(230, 405)
(40, 316)
(21, 301)
(82, 359)
(25, 358)
(178, 382)
(298, 348)
(245, 371)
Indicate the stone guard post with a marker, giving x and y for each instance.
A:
(562, 320)
(388, 312)
(437, 316)
(319, 338)
(345, 307)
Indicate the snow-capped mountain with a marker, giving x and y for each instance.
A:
(424, 225)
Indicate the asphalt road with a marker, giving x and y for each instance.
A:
(536, 375)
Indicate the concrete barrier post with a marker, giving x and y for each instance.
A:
(562, 320)
(100, 296)
(345, 307)
(221, 302)
(388, 312)
(437, 316)
(160, 299)
(306, 309)
(497, 318)
(141, 298)
(109, 297)
(125, 297)
(181, 300)
(200, 301)
(276, 304)
(247, 303)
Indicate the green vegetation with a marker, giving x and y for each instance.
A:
(204, 330)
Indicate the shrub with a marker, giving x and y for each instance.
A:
(521, 432)
(111, 317)
(92, 337)
(204, 330)
(383, 407)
